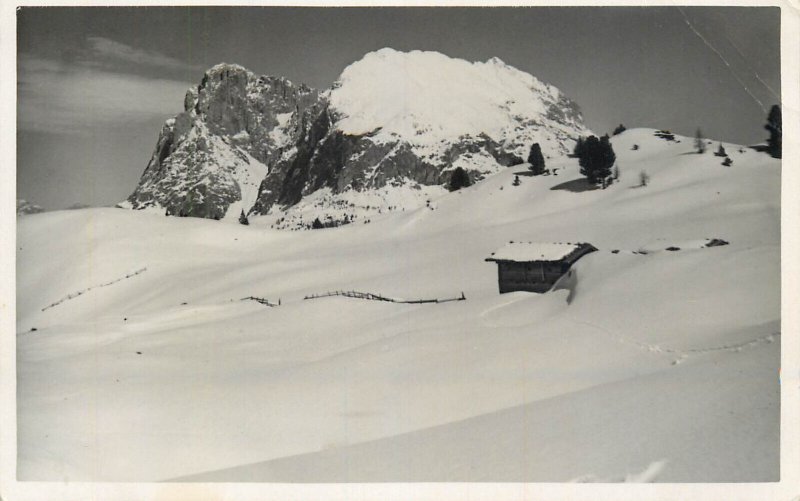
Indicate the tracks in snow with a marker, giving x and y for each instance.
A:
(684, 354)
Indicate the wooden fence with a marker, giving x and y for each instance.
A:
(84, 291)
(261, 300)
(377, 297)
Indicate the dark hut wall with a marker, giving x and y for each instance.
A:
(534, 276)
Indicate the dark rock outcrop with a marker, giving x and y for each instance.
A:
(24, 208)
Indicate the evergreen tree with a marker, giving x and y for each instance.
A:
(243, 219)
(317, 224)
(536, 160)
(459, 179)
(699, 142)
(580, 145)
(597, 159)
(606, 159)
(619, 130)
(516, 181)
(721, 151)
(775, 128)
(587, 159)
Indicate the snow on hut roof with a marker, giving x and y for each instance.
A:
(534, 251)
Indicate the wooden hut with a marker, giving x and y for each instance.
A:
(535, 267)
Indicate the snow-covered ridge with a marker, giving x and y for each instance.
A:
(413, 92)
(428, 98)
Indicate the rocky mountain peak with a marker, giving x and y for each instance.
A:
(210, 160)
(262, 144)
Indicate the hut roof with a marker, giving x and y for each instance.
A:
(523, 252)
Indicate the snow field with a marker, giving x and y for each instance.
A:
(659, 367)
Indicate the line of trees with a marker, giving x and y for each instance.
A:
(774, 126)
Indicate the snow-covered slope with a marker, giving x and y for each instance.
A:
(392, 120)
(660, 366)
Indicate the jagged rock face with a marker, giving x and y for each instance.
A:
(260, 114)
(256, 143)
(329, 158)
(24, 208)
(210, 160)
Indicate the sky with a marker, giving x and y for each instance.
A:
(96, 84)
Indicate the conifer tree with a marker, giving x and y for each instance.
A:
(579, 147)
(597, 159)
(775, 128)
(459, 179)
(721, 151)
(587, 159)
(699, 142)
(619, 130)
(536, 159)
(243, 218)
(606, 159)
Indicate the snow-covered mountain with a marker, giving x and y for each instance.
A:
(391, 129)
(24, 207)
(431, 102)
(210, 160)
